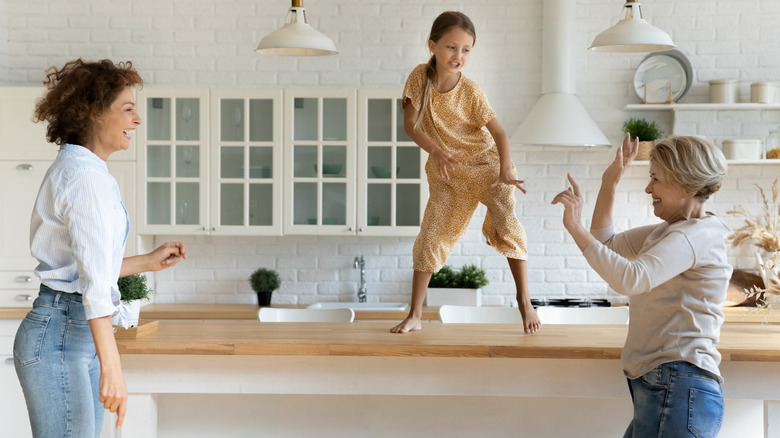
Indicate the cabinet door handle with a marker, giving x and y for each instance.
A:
(23, 297)
(349, 229)
(24, 166)
(23, 279)
(9, 361)
(360, 230)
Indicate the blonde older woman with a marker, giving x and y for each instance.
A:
(675, 275)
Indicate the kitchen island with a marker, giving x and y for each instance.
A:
(359, 380)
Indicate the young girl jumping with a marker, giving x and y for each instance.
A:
(448, 116)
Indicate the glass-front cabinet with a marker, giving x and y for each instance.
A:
(246, 162)
(392, 187)
(173, 161)
(319, 147)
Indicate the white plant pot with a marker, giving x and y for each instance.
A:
(131, 310)
(438, 296)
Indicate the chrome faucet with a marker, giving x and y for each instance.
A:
(361, 263)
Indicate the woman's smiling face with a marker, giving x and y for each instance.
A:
(670, 201)
(114, 131)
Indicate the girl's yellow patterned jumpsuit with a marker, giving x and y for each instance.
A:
(456, 121)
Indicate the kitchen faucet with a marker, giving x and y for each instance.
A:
(361, 263)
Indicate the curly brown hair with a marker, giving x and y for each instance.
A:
(79, 94)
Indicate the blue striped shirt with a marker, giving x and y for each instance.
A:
(78, 230)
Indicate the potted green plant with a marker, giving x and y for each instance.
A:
(132, 289)
(464, 287)
(264, 282)
(646, 132)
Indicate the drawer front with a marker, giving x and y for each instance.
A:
(6, 347)
(19, 280)
(8, 328)
(17, 298)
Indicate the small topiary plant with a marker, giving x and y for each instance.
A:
(469, 277)
(642, 129)
(133, 287)
(264, 280)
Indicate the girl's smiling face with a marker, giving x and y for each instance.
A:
(671, 202)
(452, 50)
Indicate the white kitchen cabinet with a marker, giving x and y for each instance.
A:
(13, 410)
(210, 162)
(350, 169)
(246, 162)
(319, 161)
(392, 186)
(173, 161)
(20, 137)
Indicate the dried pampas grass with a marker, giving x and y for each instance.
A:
(764, 231)
(765, 234)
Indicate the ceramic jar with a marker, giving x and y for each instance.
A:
(724, 91)
(764, 92)
(743, 149)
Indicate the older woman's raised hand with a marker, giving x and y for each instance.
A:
(623, 158)
(572, 201)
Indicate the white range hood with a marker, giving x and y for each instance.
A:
(558, 118)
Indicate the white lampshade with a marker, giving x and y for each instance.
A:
(296, 37)
(632, 34)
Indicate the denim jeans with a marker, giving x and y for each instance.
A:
(58, 368)
(676, 399)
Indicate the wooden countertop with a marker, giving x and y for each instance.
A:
(739, 341)
(13, 312)
(249, 311)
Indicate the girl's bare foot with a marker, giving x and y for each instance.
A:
(531, 321)
(410, 324)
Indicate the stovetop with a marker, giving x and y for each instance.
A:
(571, 302)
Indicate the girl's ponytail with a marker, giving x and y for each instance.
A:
(430, 75)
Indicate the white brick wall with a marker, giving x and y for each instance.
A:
(210, 43)
(3, 38)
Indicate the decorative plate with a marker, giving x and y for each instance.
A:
(662, 72)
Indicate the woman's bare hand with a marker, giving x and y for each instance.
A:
(623, 158)
(572, 201)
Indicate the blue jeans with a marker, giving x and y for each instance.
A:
(676, 399)
(58, 367)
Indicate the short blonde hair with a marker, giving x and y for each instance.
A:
(692, 163)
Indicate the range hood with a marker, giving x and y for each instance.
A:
(558, 118)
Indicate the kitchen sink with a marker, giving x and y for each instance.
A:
(360, 306)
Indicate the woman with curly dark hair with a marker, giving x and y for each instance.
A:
(65, 354)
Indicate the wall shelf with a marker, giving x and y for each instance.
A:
(700, 106)
(730, 162)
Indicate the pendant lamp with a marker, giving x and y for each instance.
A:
(296, 37)
(632, 34)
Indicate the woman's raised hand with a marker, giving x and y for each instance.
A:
(445, 160)
(623, 158)
(572, 201)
